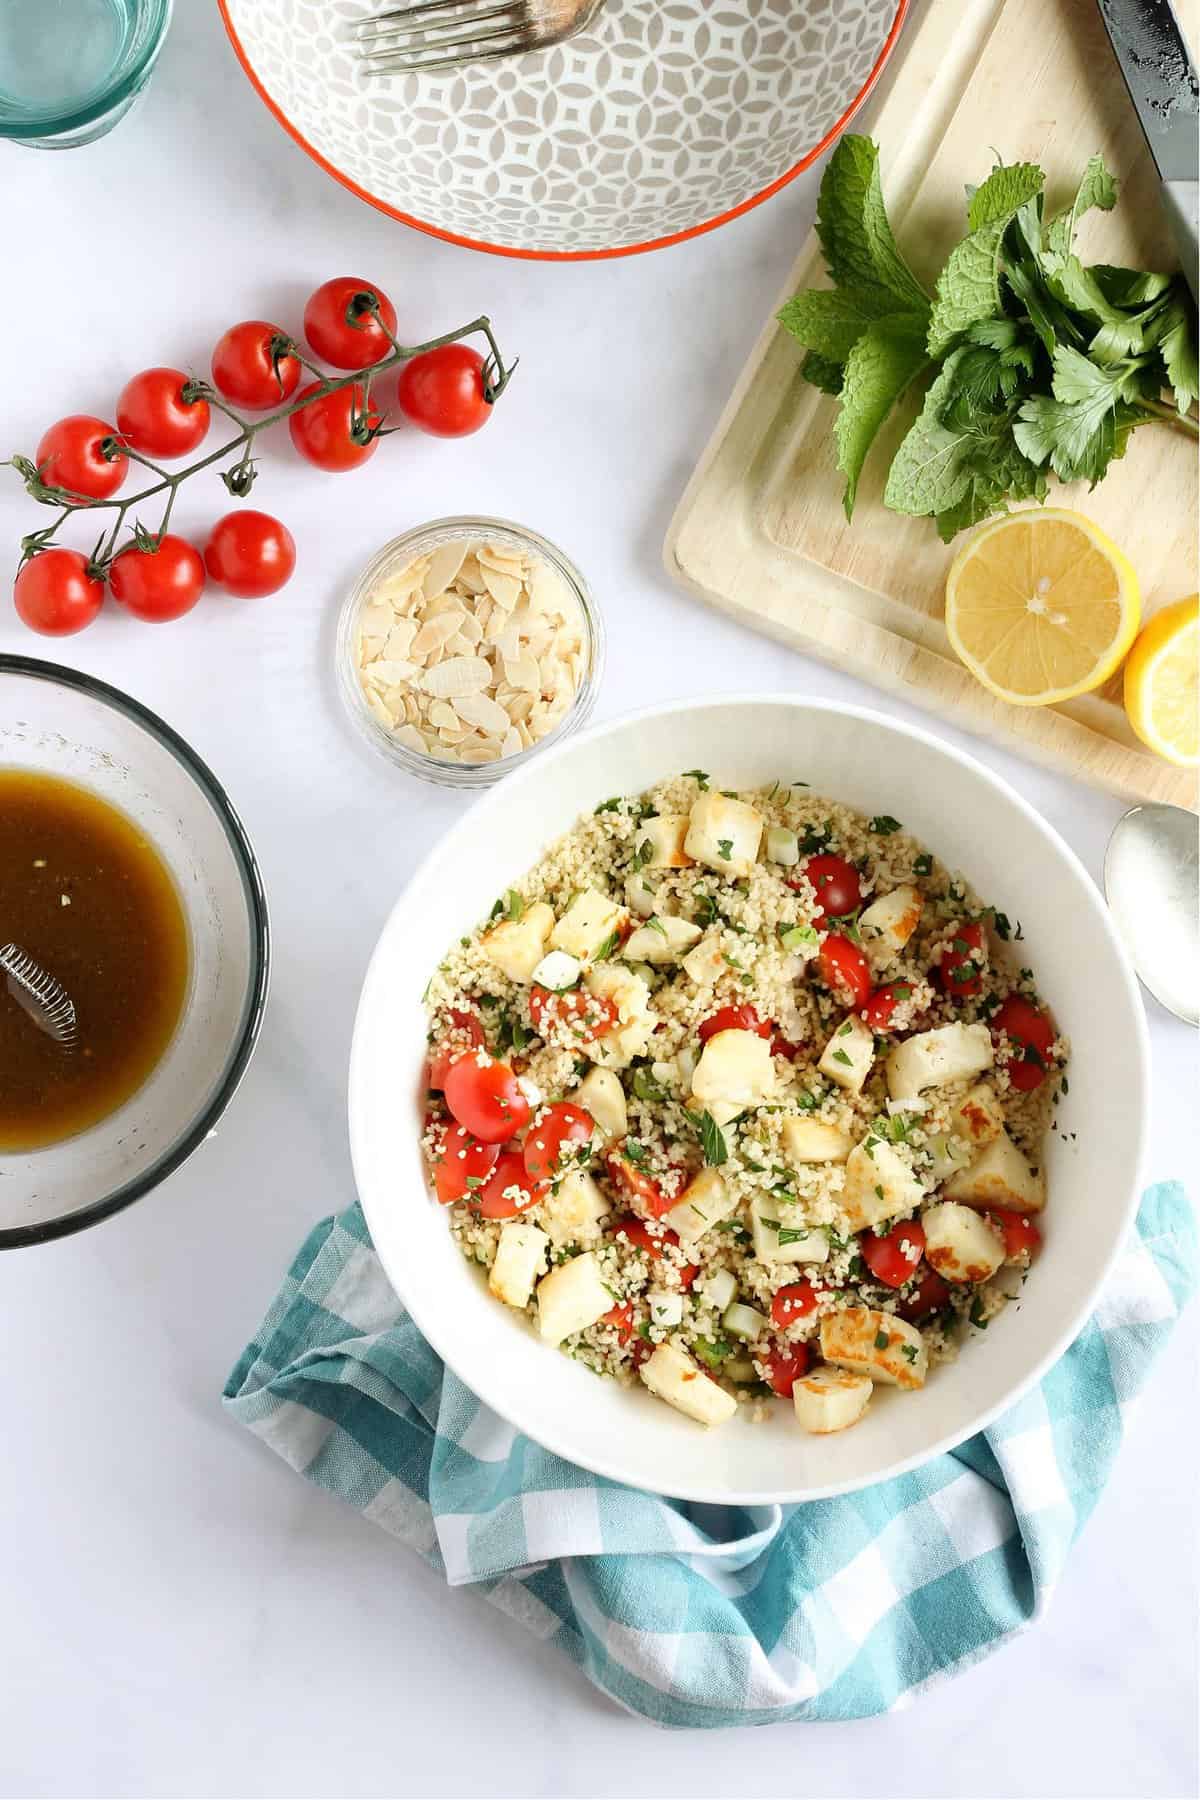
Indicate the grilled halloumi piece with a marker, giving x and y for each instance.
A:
(848, 1055)
(724, 834)
(888, 923)
(705, 1202)
(665, 835)
(589, 921)
(932, 1058)
(517, 946)
(601, 1094)
(978, 1116)
(879, 1185)
(706, 963)
(877, 1344)
(812, 1141)
(829, 1399)
(574, 1208)
(673, 1377)
(959, 1243)
(630, 995)
(1001, 1177)
(520, 1259)
(734, 1072)
(571, 1297)
(662, 939)
(777, 1241)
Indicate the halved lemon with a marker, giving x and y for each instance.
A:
(1041, 606)
(1162, 683)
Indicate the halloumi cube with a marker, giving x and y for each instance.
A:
(848, 1055)
(574, 1208)
(641, 896)
(1001, 1177)
(813, 1141)
(665, 835)
(932, 1058)
(705, 1202)
(663, 939)
(778, 1240)
(673, 1377)
(706, 963)
(517, 946)
(959, 1243)
(520, 1259)
(589, 921)
(630, 995)
(978, 1116)
(877, 1344)
(948, 1155)
(724, 834)
(888, 923)
(734, 1072)
(600, 1093)
(571, 1297)
(829, 1399)
(879, 1185)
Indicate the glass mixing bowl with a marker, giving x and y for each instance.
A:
(56, 721)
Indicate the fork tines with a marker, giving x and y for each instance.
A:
(441, 34)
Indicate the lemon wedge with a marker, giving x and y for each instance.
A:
(1041, 606)
(1162, 683)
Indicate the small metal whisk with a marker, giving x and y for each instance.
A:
(444, 34)
(39, 994)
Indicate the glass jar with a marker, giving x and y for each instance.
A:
(69, 69)
(395, 557)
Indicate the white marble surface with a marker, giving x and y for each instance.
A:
(182, 1615)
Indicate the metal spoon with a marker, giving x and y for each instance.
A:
(39, 994)
(1152, 882)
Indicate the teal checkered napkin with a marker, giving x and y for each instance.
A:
(701, 1615)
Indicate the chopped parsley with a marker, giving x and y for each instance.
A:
(613, 805)
(725, 846)
(642, 854)
(909, 1350)
(883, 825)
(976, 1315)
(816, 837)
(699, 777)
(923, 864)
(789, 1236)
(514, 906)
(840, 1056)
(712, 1140)
(656, 924)
(882, 1340)
(606, 949)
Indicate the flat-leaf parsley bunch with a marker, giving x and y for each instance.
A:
(1039, 363)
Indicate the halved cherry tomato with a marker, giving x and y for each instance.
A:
(638, 1233)
(785, 1367)
(1021, 1236)
(154, 417)
(621, 1316)
(585, 1015)
(893, 1258)
(838, 889)
(960, 971)
(554, 1141)
(1029, 1028)
(254, 366)
(463, 1165)
(882, 1003)
(781, 1046)
(342, 322)
(83, 455)
(793, 1302)
(508, 1190)
(845, 970)
(56, 593)
(445, 391)
(485, 1097)
(734, 1018)
(635, 1181)
(335, 431)
(466, 1034)
(929, 1296)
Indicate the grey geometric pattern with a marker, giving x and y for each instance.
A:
(658, 120)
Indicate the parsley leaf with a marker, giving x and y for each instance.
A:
(699, 777)
(884, 825)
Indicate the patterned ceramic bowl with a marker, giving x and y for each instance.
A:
(666, 119)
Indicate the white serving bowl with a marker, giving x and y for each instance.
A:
(976, 823)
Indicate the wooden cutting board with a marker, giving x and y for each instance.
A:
(760, 531)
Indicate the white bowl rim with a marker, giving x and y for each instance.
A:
(18, 1237)
(515, 1411)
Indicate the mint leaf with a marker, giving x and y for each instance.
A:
(712, 1138)
(879, 368)
(822, 372)
(831, 320)
(860, 252)
(927, 472)
(968, 288)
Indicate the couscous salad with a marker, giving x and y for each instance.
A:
(741, 1094)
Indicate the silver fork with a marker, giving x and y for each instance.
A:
(444, 34)
(39, 994)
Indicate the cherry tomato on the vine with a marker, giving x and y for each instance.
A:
(463, 1165)
(342, 327)
(157, 582)
(785, 1367)
(444, 391)
(893, 1258)
(554, 1142)
(338, 430)
(960, 971)
(509, 1189)
(253, 367)
(250, 553)
(72, 455)
(845, 970)
(486, 1098)
(55, 593)
(154, 417)
(836, 883)
(734, 1018)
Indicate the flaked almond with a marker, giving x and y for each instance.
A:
(505, 589)
(444, 565)
(434, 633)
(443, 715)
(481, 710)
(458, 675)
(389, 671)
